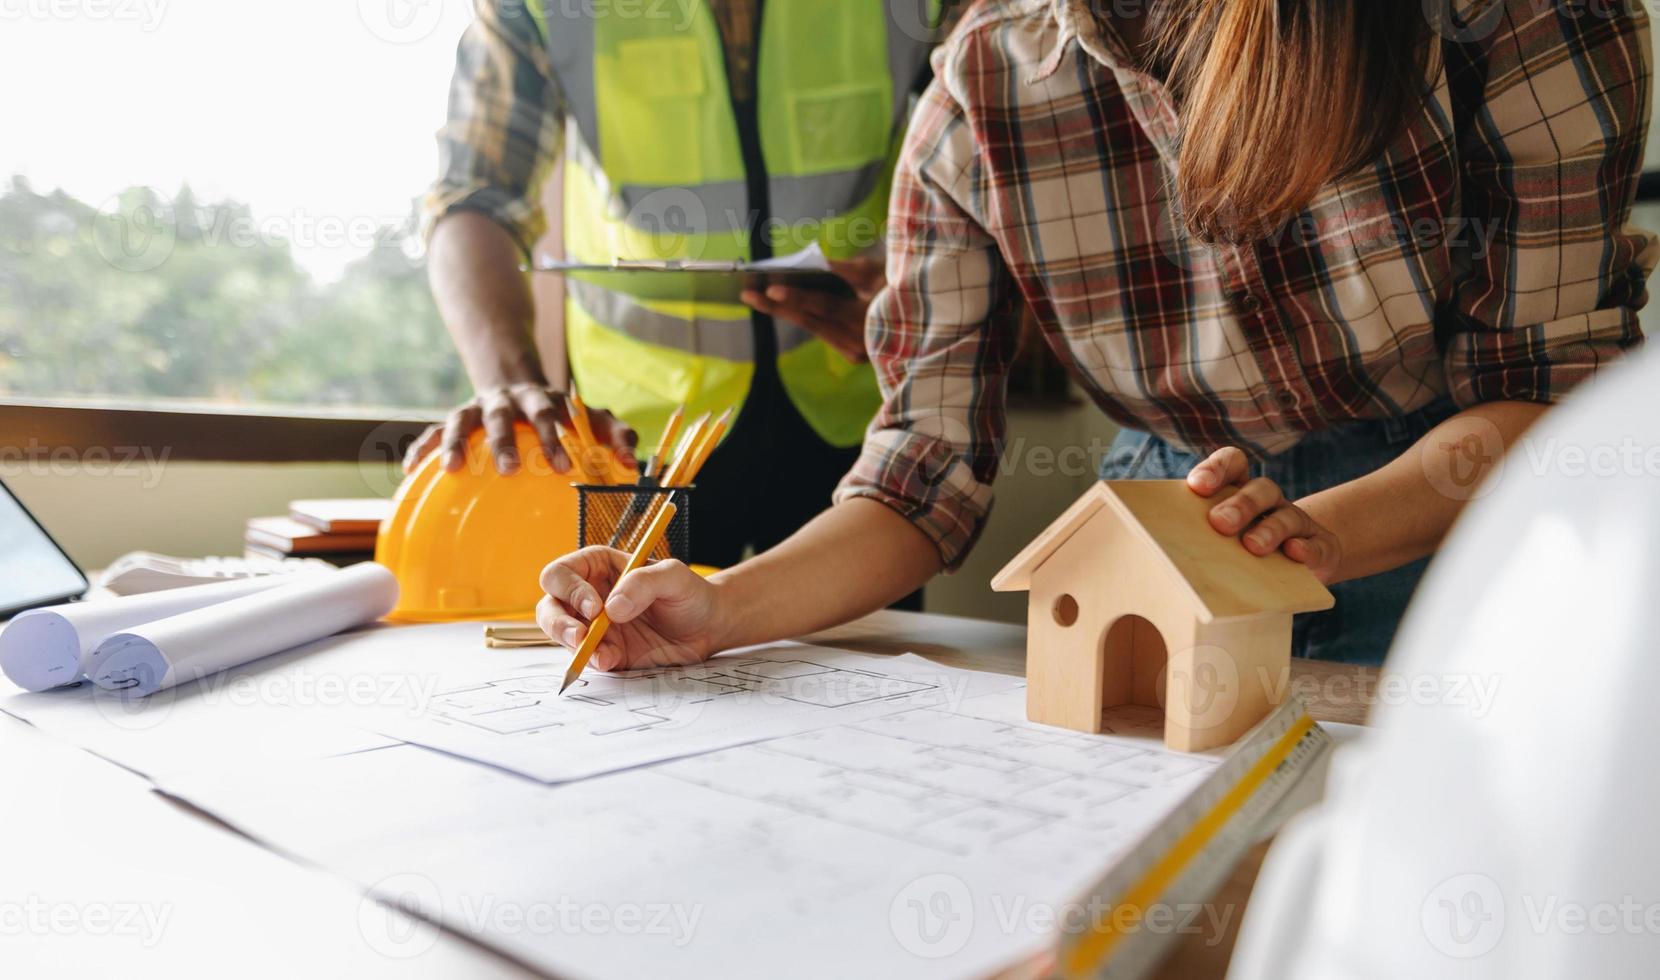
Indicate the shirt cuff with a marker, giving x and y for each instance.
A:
(524, 222)
(1541, 364)
(927, 482)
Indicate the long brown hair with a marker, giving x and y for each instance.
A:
(1280, 97)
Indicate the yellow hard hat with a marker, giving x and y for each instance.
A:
(472, 544)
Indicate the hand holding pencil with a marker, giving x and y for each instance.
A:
(658, 614)
(574, 612)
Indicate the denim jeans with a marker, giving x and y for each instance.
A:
(1362, 624)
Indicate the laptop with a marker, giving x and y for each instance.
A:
(34, 570)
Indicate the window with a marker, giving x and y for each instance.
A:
(215, 202)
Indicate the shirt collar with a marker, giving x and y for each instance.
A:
(1076, 20)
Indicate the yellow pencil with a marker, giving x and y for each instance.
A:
(710, 440)
(687, 449)
(602, 622)
(665, 444)
(572, 444)
(639, 506)
(602, 461)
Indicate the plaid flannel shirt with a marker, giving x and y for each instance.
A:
(1485, 256)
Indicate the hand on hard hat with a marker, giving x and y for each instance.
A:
(1261, 517)
(496, 409)
(837, 320)
(661, 615)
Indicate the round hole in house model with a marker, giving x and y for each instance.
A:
(1066, 610)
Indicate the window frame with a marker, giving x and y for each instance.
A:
(218, 434)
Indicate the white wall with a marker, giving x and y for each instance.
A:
(98, 511)
(1052, 457)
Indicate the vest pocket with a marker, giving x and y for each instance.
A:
(653, 112)
(840, 128)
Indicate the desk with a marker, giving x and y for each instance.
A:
(82, 840)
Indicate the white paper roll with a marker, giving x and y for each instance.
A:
(43, 648)
(192, 645)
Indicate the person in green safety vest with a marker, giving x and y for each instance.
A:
(697, 129)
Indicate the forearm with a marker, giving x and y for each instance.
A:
(1400, 512)
(484, 300)
(853, 559)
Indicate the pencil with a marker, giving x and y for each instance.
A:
(666, 443)
(706, 448)
(572, 444)
(602, 622)
(605, 460)
(689, 441)
(639, 504)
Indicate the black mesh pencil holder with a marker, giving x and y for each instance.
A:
(617, 516)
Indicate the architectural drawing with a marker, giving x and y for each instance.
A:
(511, 715)
(602, 704)
(957, 783)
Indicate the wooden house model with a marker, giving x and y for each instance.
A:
(1136, 599)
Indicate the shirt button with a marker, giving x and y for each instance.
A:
(1286, 397)
(1246, 301)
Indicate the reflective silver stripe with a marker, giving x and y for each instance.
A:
(730, 340)
(911, 38)
(720, 207)
(570, 43)
(823, 196)
(790, 335)
(707, 209)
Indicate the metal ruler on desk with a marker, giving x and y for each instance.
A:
(1190, 854)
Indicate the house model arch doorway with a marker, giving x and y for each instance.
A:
(1134, 656)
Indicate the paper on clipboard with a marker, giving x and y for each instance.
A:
(676, 280)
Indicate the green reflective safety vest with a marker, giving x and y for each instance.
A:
(654, 170)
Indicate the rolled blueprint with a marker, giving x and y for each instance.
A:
(183, 648)
(43, 648)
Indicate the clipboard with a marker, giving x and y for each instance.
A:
(704, 282)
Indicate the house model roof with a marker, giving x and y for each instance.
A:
(1223, 578)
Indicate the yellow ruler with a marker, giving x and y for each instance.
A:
(1182, 863)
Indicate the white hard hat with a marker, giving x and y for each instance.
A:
(1500, 818)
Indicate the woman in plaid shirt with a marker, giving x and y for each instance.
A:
(1337, 253)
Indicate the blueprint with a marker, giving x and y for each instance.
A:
(518, 720)
(438, 685)
(942, 840)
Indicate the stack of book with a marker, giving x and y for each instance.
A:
(338, 531)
